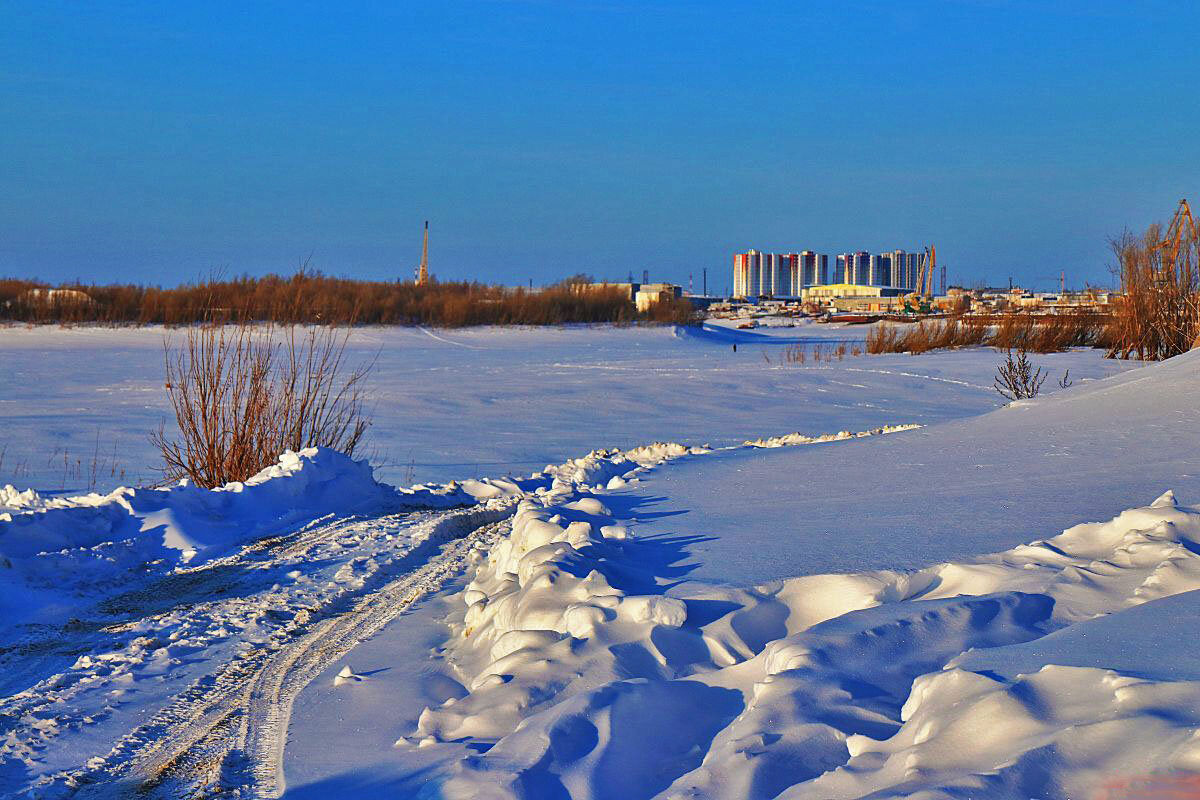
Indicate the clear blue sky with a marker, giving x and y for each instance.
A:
(154, 142)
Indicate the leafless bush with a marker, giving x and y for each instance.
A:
(1017, 379)
(1065, 381)
(242, 396)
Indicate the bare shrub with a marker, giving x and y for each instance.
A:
(242, 396)
(1017, 379)
(840, 351)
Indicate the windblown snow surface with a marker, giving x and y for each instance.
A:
(817, 615)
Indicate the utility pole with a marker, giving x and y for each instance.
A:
(706, 281)
(1062, 284)
(645, 276)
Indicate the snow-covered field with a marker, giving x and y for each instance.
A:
(995, 604)
(471, 403)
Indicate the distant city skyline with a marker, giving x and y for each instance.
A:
(158, 143)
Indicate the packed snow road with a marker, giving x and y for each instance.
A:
(227, 733)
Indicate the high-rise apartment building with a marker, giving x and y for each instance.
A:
(789, 277)
(879, 270)
(858, 268)
(815, 268)
(758, 274)
(748, 269)
(905, 269)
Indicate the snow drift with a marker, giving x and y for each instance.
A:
(581, 657)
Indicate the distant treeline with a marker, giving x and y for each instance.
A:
(311, 297)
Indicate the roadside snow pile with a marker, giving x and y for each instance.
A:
(590, 676)
(88, 545)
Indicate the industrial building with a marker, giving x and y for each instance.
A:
(855, 297)
(642, 295)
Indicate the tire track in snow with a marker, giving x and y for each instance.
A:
(226, 733)
(433, 335)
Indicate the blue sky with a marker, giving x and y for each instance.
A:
(158, 142)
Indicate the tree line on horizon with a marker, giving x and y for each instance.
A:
(314, 298)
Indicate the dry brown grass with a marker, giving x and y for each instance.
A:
(243, 395)
(1045, 334)
(1158, 315)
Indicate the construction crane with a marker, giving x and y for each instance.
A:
(1182, 224)
(423, 269)
(930, 263)
(920, 300)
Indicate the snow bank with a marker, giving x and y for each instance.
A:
(589, 676)
(87, 545)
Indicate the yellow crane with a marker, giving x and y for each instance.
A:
(930, 263)
(1182, 224)
(919, 301)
